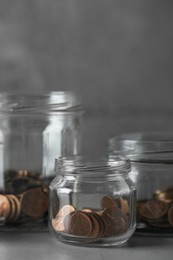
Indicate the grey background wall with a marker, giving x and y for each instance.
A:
(117, 55)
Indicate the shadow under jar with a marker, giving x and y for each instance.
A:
(33, 130)
(151, 156)
(92, 201)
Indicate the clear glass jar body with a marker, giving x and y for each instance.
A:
(151, 156)
(33, 131)
(92, 201)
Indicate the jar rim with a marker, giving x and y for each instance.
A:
(147, 147)
(145, 137)
(43, 102)
(87, 163)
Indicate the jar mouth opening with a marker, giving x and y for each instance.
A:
(145, 137)
(84, 163)
(55, 101)
(146, 147)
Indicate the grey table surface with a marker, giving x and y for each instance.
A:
(43, 246)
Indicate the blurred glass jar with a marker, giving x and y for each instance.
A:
(33, 130)
(151, 156)
(92, 201)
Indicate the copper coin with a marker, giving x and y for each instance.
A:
(111, 213)
(58, 224)
(86, 210)
(169, 193)
(65, 210)
(34, 202)
(138, 207)
(106, 229)
(12, 208)
(58, 221)
(170, 215)
(115, 221)
(77, 223)
(124, 205)
(153, 209)
(22, 173)
(4, 206)
(101, 225)
(116, 226)
(17, 205)
(95, 225)
(159, 195)
(165, 195)
(107, 202)
(99, 212)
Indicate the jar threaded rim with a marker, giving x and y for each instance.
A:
(114, 164)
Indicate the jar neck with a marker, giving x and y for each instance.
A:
(146, 147)
(92, 168)
(43, 103)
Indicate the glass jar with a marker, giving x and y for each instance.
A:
(92, 201)
(151, 156)
(33, 130)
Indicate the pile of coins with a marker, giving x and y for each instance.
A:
(111, 220)
(31, 204)
(9, 207)
(158, 211)
(17, 182)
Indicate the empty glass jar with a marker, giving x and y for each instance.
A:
(33, 130)
(92, 201)
(151, 156)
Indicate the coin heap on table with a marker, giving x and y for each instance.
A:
(32, 204)
(110, 220)
(158, 211)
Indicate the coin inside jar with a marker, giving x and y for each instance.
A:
(92, 222)
(170, 215)
(153, 209)
(107, 202)
(58, 221)
(124, 205)
(101, 225)
(65, 210)
(117, 226)
(115, 221)
(34, 202)
(111, 213)
(95, 225)
(164, 195)
(77, 223)
(58, 224)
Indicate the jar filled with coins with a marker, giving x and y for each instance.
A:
(151, 156)
(33, 130)
(92, 201)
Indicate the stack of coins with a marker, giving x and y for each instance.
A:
(9, 207)
(158, 211)
(32, 204)
(17, 182)
(165, 195)
(110, 220)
